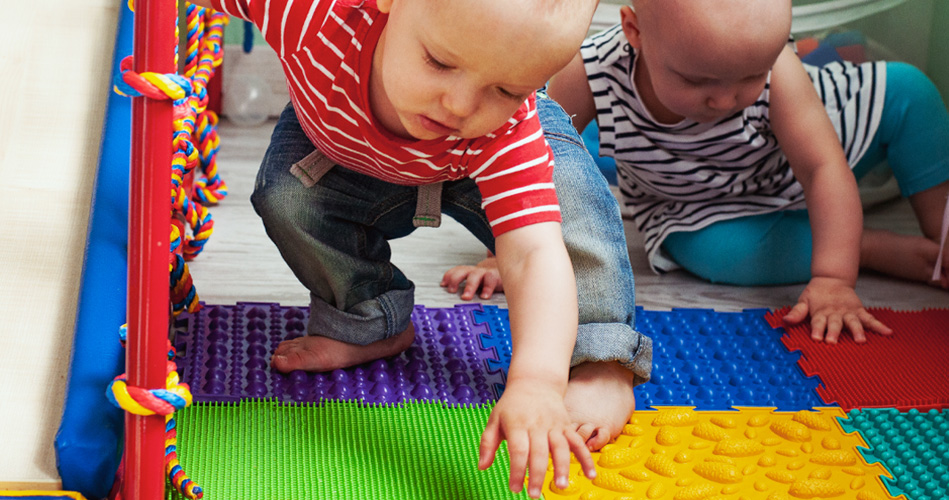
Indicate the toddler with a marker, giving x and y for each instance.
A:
(723, 137)
(404, 109)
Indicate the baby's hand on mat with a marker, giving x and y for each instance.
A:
(834, 305)
(534, 421)
(484, 276)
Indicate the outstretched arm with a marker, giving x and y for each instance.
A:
(810, 143)
(531, 416)
(570, 89)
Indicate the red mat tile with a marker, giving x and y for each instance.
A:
(909, 369)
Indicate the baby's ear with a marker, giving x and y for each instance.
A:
(630, 23)
(384, 6)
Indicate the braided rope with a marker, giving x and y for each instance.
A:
(184, 296)
(191, 119)
(175, 396)
(189, 100)
(209, 187)
(176, 474)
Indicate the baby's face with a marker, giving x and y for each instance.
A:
(693, 86)
(708, 60)
(461, 67)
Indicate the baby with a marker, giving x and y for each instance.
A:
(402, 110)
(735, 158)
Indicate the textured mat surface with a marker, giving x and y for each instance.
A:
(913, 445)
(752, 453)
(702, 358)
(224, 355)
(906, 370)
(339, 451)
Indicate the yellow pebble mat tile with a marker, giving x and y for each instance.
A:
(677, 453)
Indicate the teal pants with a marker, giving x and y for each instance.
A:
(775, 248)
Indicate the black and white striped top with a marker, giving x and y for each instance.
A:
(685, 176)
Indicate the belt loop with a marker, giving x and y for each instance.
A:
(312, 168)
(428, 210)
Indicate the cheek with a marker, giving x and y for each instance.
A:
(750, 95)
(491, 117)
(678, 98)
(402, 89)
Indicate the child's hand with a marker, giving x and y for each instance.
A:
(833, 305)
(533, 420)
(484, 276)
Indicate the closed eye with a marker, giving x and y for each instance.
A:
(511, 95)
(695, 82)
(435, 63)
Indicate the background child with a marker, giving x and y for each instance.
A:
(719, 138)
(406, 93)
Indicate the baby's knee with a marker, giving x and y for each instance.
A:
(278, 203)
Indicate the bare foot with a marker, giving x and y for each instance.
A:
(600, 400)
(319, 354)
(900, 255)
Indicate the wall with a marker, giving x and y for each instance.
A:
(915, 32)
(938, 63)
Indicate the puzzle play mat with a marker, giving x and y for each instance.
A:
(739, 407)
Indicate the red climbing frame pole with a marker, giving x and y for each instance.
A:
(148, 280)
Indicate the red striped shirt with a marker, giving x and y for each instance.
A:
(321, 46)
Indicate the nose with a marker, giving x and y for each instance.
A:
(461, 102)
(722, 100)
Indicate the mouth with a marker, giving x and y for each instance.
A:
(436, 126)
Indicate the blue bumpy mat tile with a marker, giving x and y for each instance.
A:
(702, 358)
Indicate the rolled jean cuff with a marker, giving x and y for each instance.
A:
(366, 322)
(598, 342)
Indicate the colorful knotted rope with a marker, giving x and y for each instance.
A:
(184, 297)
(175, 396)
(194, 125)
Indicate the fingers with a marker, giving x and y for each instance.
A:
(539, 452)
(560, 458)
(518, 450)
(856, 328)
(829, 327)
(474, 278)
(489, 284)
(835, 324)
(473, 281)
(797, 314)
(490, 440)
(872, 323)
(580, 449)
(454, 276)
(818, 325)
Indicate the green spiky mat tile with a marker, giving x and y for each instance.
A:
(339, 451)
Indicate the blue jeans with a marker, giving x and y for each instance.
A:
(334, 236)
(775, 248)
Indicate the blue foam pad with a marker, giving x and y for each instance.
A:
(703, 358)
(88, 443)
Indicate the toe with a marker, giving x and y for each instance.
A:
(598, 439)
(287, 345)
(585, 431)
